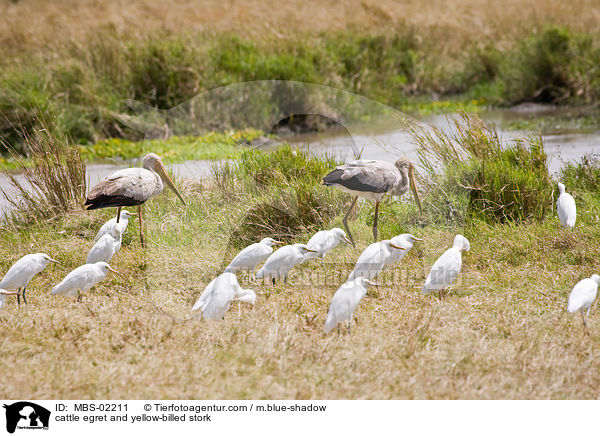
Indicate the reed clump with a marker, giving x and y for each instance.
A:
(473, 172)
(50, 183)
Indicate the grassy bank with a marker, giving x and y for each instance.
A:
(465, 54)
(502, 333)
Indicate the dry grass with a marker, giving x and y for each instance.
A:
(41, 24)
(502, 333)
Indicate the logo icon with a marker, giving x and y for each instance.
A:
(26, 415)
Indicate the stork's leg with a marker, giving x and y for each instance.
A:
(142, 238)
(118, 213)
(345, 221)
(584, 323)
(25, 288)
(78, 296)
(19, 296)
(375, 222)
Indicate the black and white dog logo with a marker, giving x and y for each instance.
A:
(26, 415)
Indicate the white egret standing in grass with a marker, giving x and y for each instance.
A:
(132, 187)
(583, 295)
(106, 247)
(108, 226)
(324, 241)
(21, 273)
(373, 259)
(566, 208)
(81, 279)
(218, 295)
(251, 256)
(372, 179)
(282, 261)
(406, 241)
(445, 270)
(344, 302)
(4, 292)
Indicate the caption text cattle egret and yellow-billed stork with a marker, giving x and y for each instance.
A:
(132, 187)
(372, 179)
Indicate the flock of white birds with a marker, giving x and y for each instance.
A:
(217, 297)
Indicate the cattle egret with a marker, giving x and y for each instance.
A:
(106, 247)
(344, 302)
(132, 187)
(324, 241)
(446, 268)
(566, 208)
(108, 226)
(218, 295)
(282, 261)
(406, 241)
(21, 273)
(201, 302)
(249, 258)
(371, 179)
(4, 292)
(373, 259)
(583, 295)
(81, 279)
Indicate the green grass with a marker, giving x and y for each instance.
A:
(82, 88)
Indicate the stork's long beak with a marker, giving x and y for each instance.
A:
(3, 292)
(53, 261)
(417, 239)
(346, 240)
(114, 270)
(397, 247)
(278, 243)
(311, 251)
(162, 172)
(413, 186)
(369, 282)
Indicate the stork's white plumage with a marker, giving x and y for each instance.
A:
(445, 270)
(566, 208)
(324, 241)
(20, 274)
(218, 295)
(372, 179)
(583, 295)
(253, 255)
(109, 225)
(344, 302)
(282, 261)
(132, 187)
(373, 259)
(106, 247)
(81, 279)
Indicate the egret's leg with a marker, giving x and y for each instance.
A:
(345, 220)
(25, 288)
(118, 213)
(375, 222)
(19, 296)
(142, 238)
(273, 280)
(339, 328)
(348, 325)
(78, 296)
(584, 323)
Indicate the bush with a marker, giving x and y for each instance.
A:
(583, 175)
(470, 173)
(283, 193)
